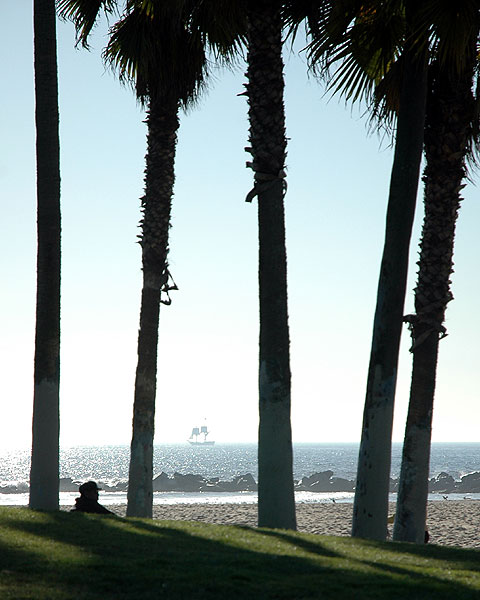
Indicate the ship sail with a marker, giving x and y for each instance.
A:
(201, 432)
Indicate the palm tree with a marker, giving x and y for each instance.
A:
(44, 473)
(276, 502)
(448, 137)
(146, 50)
(160, 49)
(371, 39)
(370, 509)
(449, 134)
(167, 65)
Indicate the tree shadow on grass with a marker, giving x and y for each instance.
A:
(454, 559)
(468, 557)
(88, 557)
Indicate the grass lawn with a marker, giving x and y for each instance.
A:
(59, 556)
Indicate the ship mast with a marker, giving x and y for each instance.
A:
(204, 430)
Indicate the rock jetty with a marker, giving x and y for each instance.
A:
(198, 483)
(324, 481)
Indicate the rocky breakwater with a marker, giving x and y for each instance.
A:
(443, 483)
(66, 484)
(446, 484)
(198, 483)
(324, 481)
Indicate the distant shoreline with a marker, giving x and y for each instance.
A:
(209, 501)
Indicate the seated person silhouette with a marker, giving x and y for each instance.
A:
(88, 500)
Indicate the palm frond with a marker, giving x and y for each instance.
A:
(307, 12)
(356, 38)
(156, 55)
(452, 26)
(84, 15)
(221, 24)
(160, 9)
(473, 155)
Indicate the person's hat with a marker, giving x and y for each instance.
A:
(89, 486)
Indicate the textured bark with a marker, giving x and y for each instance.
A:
(44, 473)
(370, 509)
(450, 111)
(162, 124)
(276, 503)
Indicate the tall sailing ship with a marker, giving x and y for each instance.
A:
(199, 437)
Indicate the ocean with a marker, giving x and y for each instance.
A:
(108, 465)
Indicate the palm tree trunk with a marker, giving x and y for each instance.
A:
(162, 124)
(450, 111)
(276, 502)
(411, 513)
(44, 472)
(370, 509)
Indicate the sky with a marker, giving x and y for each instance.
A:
(338, 176)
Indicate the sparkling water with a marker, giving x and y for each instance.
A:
(109, 464)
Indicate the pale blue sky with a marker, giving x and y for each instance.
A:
(337, 190)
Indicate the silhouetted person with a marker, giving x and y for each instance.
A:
(88, 500)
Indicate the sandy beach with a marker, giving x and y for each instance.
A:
(450, 523)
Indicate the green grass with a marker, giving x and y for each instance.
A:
(77, 556)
